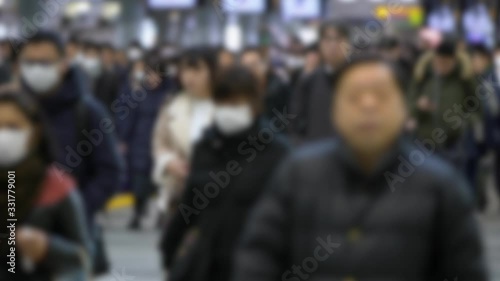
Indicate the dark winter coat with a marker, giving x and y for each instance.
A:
(136, 128)
(325, 219)
(240, 170)
(311, 102)
(86, 141)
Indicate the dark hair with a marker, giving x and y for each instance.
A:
(91, 45)
(135, 44)
(389, 42)
(253, 49)
(31, 109)
(342, 29)
(447, 48)
(370, 58)
(481, 49)
(47, 37)
(313, 48)
(235, 80)
(74, 39)
(194, 57)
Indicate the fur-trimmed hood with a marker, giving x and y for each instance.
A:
(423, 66)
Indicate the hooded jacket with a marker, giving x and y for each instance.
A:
(451, 94)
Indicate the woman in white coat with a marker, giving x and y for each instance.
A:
(181, 123)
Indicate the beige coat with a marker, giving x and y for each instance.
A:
(171, 139)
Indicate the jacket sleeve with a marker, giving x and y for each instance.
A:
(263, 251)
(298, 106)
(105, 162)
(460, 251)
(184, 216)
(162, 152)
(69, 252)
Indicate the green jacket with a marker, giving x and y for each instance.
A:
(454, 95)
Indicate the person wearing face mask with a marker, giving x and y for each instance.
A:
(182, 120)
(74, 52)
(231, 166)
(134, 51)
(87, 146)
(136, 131)
(91, 62)
(347, 209)
(51, 240)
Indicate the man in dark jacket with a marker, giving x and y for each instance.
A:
(311, 99)
(87, 147)
(368, 206)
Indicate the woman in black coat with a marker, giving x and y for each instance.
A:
(42, 212)
(231, 166)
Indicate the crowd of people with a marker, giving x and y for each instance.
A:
(344, 163)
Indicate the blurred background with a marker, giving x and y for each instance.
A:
(285, 31)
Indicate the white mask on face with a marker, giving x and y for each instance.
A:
(92, 66)
(231, 120)
(78, 59)
(39, 77)
(139, 75)
(134, 54)
(13, 146)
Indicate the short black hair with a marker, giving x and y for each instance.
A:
(235, 80)
(193, 57)
(342, 29)
(369, 58)
(388, 42)
(74, 39)
(481, 49)
(447, 48)
(253, 49)
(47, 37)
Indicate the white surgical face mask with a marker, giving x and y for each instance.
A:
(78, 59)
(39, 77)
(139, 75)
(134, 54)
(231, 120)
(13, 146)
(92, 66)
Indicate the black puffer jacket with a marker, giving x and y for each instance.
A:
(230, 173)
(324, 219)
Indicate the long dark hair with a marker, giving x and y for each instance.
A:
(32, 110)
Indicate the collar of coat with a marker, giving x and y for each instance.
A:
(423, 66)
